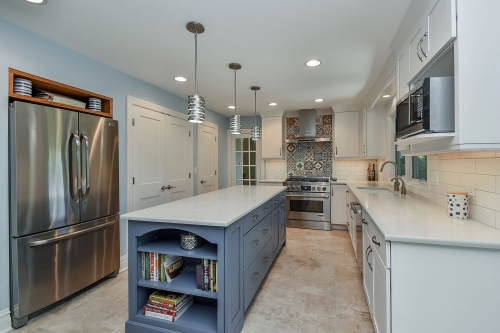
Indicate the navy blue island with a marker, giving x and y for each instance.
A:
(243, 228)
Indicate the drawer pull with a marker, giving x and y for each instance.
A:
(255, 217)
(255, 277)
(265, 231)
(374, 240)
(255, 243)
(276, 201)
(266, 260)
(266, 209)
(368, 251)
(364, 221)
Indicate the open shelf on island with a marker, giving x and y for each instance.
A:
(199, 317)
(172, 246)
(185, 283)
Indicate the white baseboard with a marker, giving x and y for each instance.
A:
(5, 321)
(123, 264)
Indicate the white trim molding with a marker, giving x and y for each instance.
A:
(123, 263)
(5, 321)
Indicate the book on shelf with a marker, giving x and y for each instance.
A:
(169, 306)
(161, 267)
(207, 275)
(158, 310)
(168, 298)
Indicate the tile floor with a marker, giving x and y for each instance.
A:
(314, 287)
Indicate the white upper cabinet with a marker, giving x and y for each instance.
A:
(373, 135)
(347, 134)
(436, 29)
(272, 137)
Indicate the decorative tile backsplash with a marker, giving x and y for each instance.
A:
(309, 158)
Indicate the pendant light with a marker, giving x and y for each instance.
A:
(196, 103)
(235, 120)
(255, 132)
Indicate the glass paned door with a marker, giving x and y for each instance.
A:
(245, 161)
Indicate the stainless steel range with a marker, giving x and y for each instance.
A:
(308, 202)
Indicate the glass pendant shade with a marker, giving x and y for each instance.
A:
(196, 109)
(235, 124)
(196, 103)
(255, 133)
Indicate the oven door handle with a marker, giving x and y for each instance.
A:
(323, 196)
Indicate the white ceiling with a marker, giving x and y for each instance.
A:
(270, 39)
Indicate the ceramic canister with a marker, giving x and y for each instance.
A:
(458, 205)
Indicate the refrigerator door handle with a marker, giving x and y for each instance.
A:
(75, 163)
(73, 234)
(85, 176)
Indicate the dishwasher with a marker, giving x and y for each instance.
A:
(358, 230)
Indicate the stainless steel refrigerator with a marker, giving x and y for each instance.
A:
(64, 222)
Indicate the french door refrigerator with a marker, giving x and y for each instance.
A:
(64, 222)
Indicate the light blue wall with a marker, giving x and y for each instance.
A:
(28, 52)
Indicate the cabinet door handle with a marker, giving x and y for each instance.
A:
(368, 251)
(364, 149)
(255, 243)
(348, 192)
(350, 214)
(418, 50)
(336, 150)
(280, 151)
(364, 221)
(266, 259)
(265, 231)
(374, 240)
(255, 217)
(255, 277)
(348, 224)
(421, 49)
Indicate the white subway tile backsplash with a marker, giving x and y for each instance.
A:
(488, 166)
(448, 156)
(433, 197)
(451, 178)
(477, 154)
(462, 165)
(481, 182)
(432, 165)
(498, 184)
(498, 153)
(442, 165)
(488, 200)
(442, 200)
(498, 220)
(483, 215)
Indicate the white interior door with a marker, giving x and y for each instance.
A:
(178, 160)
(207, 158)
(149, 158)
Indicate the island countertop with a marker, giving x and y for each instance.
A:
(409, 218)
(218, 208)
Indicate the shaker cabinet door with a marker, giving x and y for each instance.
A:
(381, 295)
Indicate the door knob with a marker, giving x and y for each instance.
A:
(203, 181)
(163, 188)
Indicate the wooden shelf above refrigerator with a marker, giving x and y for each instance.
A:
(58, 88)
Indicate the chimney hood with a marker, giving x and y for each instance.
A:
(307, 128)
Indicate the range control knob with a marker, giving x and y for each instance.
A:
(288, 188)
(314, 188)
(324, 188)
(293, 188)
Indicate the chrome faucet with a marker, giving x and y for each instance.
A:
(396, 183)
(403, 187)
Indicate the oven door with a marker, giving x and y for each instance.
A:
(308, 206)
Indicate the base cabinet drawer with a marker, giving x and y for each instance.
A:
(255, 240)
(256, 273)
(257, 215)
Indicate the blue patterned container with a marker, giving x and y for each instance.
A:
(458, 205)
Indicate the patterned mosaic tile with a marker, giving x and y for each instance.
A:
(309, 158)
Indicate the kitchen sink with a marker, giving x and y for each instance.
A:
(375, 190)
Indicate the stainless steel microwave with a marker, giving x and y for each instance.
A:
(427, 108)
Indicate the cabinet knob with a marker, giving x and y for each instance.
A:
(265, 231)
(255, 277)
(266, 209)
(276, 201)
(266, 259)
(255, 217)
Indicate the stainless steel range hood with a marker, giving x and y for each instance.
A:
(307, 128)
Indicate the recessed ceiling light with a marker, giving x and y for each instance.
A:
(385, 96)
(37, 2)
(313, 63)
(180, 79)
(273, 104)
(318, 100)
(230, 107)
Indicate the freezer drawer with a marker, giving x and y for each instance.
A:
(50, 266)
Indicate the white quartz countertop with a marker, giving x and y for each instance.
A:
(271, 180)
(219, 208)
(408, 218)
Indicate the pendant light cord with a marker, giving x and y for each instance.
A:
(255, 117)
(235, 92)
(196, 62)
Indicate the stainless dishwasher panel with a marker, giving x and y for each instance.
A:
(50, 266)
